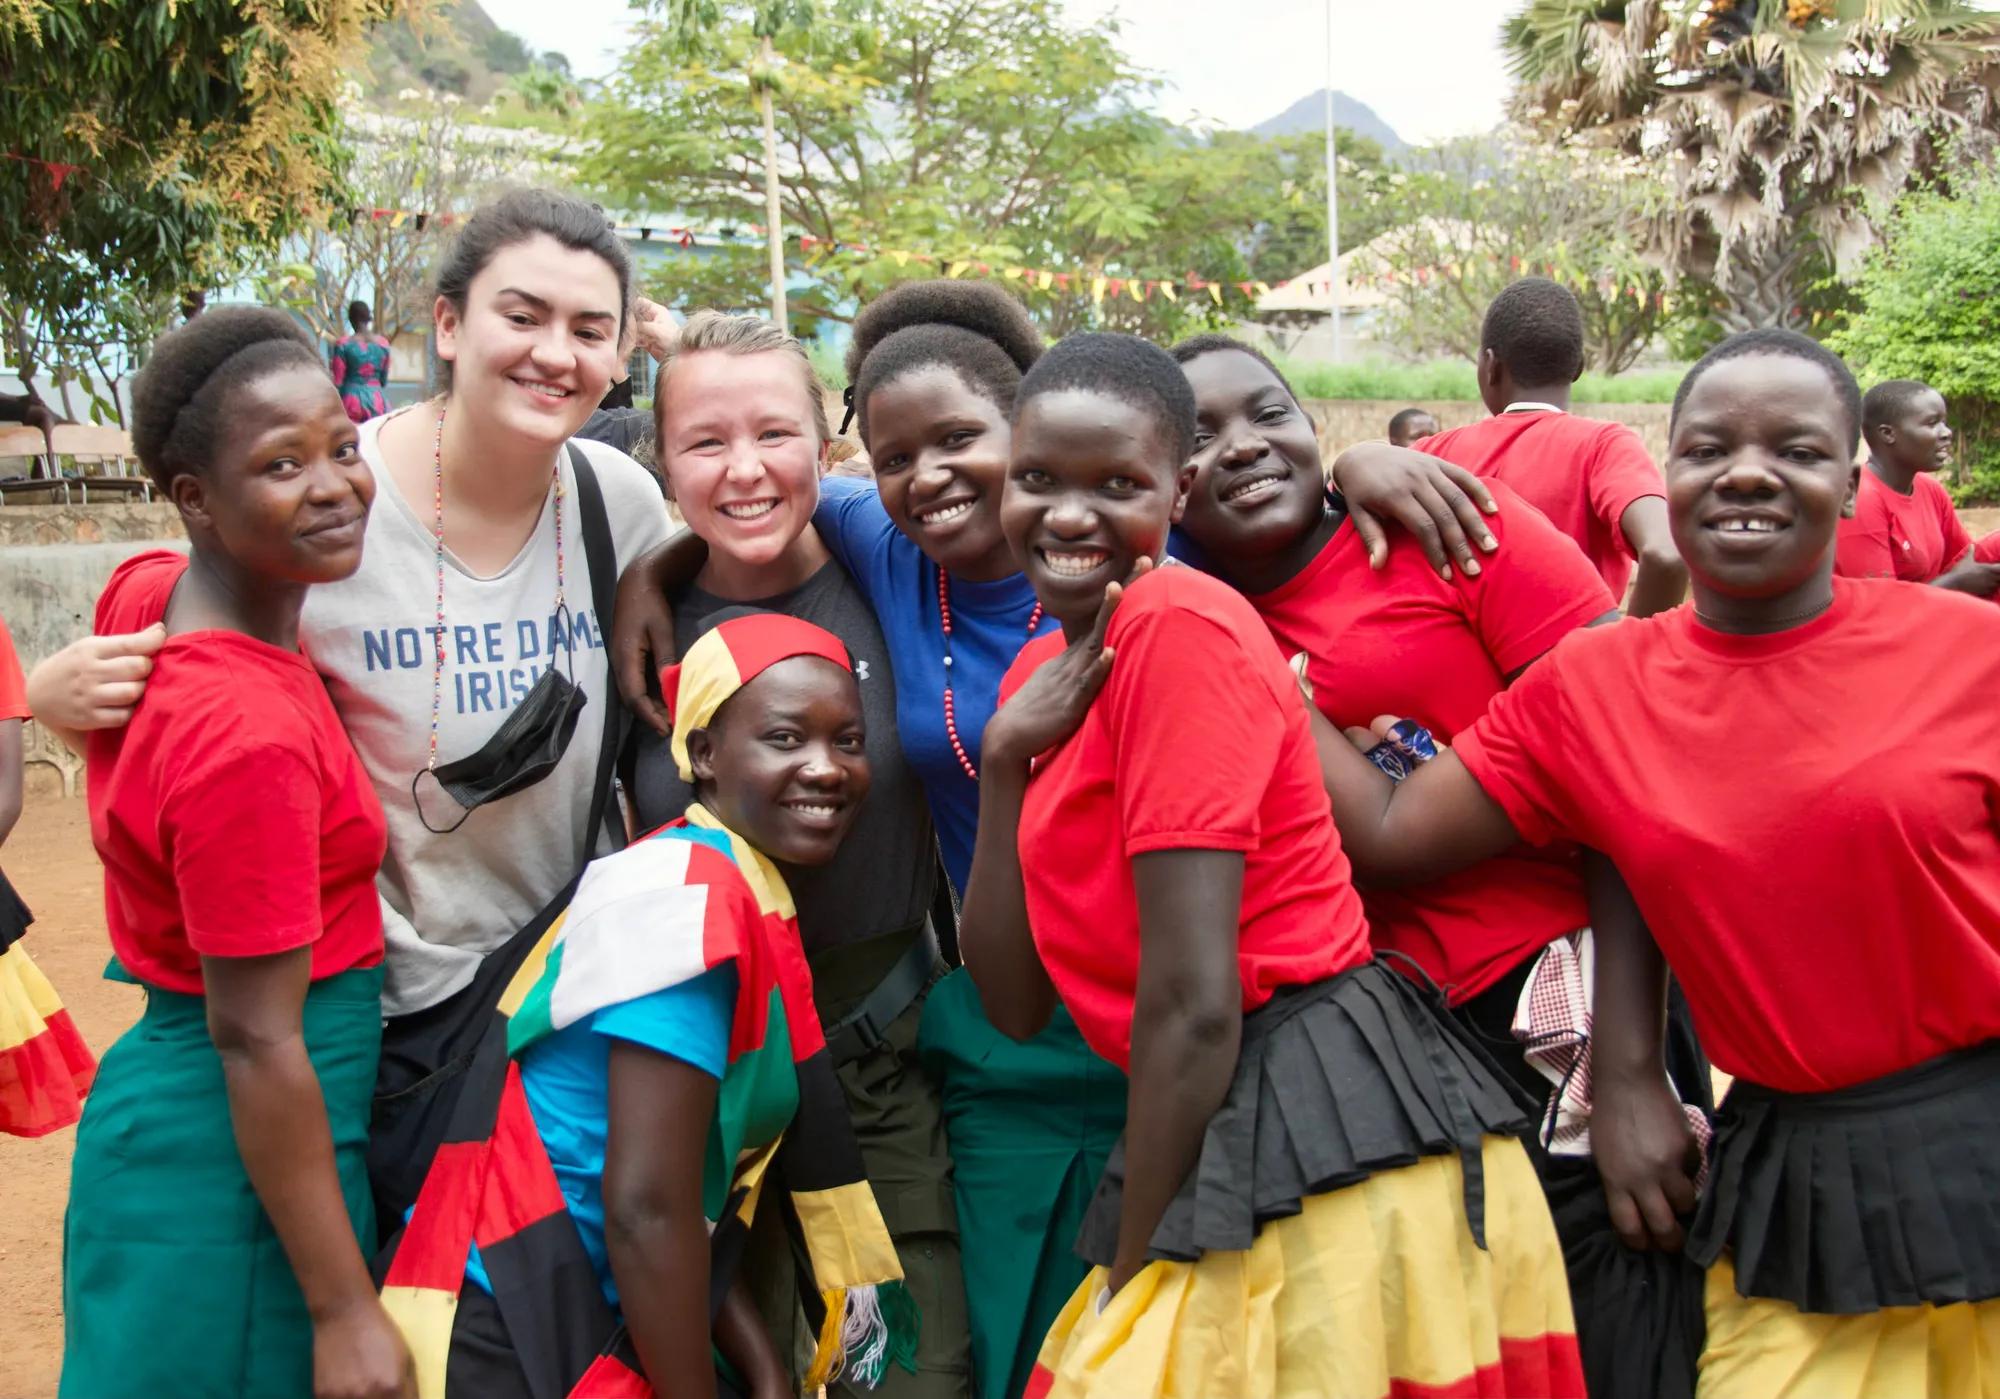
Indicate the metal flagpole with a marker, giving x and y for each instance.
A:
(1332, 194)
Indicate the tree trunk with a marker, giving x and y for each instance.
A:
(774, 232)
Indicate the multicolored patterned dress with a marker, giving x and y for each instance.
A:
(690, 897)
(360, 365)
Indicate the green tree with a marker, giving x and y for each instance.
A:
(1929, 309)
(996, 136)
(410, 179)
(1783, 126)
(1481, 211)
(177, 139)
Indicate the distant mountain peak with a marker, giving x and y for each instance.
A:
(1309, 114)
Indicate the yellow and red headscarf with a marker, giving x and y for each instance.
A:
(725, 659)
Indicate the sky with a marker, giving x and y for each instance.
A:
(1430, 68)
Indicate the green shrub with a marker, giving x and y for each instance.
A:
(1929, 309)
(1449, 380)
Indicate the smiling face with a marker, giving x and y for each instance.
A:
(1759, 474)
(741, 454)
(1092, 489)
(939, 448)
(783, 764)
(536, 343)
(1258, 485)
(1919, 437)
(285, 493)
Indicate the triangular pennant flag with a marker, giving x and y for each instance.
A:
(1138, 290)
(1167, 290)
(1012, 274)
(1097, 287)
(1215, 290)
(956, 269)
(396, 219)
(1062, 280)
(902, 258)
(1116, 286)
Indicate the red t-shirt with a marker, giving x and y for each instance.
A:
(1199, 741)
(1987, 550)
(1810, 821)
(236, 820)
(1913, 537)
(1406, 642)
(13, 684)
(1583, 473)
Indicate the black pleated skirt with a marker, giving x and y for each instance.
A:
(1335, 1081)
(1639, 1319)
(14, 915)
(1886, 1194)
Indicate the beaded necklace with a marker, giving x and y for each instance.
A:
(950, 713)
(437, 536)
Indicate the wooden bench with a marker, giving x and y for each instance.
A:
(26, 444)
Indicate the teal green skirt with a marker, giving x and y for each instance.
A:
(174, 1282)
(1030, 1127)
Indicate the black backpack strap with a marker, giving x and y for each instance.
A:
(601, 555)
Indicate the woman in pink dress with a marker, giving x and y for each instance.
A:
(360, 364)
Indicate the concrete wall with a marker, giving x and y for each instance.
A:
(1343, 422)
(54, 560)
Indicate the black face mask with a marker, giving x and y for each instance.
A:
(521, 752)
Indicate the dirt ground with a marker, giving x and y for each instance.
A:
(49, 860)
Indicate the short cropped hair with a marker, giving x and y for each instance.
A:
(1535, 328)
(1123, 367)
(1789, 344)
(180, 397)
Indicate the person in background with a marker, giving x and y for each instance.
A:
(45, 1067)
(1316, 1192)
(1781, 772)
(219, 1211)
(360, 365)
(1903, 524)
(743, 435)
(1592, 478)
(1412, 425)
(616, 423)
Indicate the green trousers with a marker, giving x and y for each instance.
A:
(1030, 1127)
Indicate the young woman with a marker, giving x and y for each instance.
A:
(360, 364)
(463, 656)
(1315, 1192)
(45, 1067)
(1904, 525)
(932, 372)
(219, 1204)
(1848, 1231)
(1506, 935)
(662, 1040)
(742, 433)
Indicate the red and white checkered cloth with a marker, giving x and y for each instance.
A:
(1554, 1020)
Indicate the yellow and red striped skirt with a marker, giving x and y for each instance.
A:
(1373, 1291)
(45, 1067)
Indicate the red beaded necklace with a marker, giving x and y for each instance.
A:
(950, 714)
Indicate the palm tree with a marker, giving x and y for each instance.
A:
(1786, 125)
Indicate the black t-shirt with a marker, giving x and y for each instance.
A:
(884, 875)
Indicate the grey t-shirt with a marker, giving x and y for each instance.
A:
(883, 877)
(448, 900)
